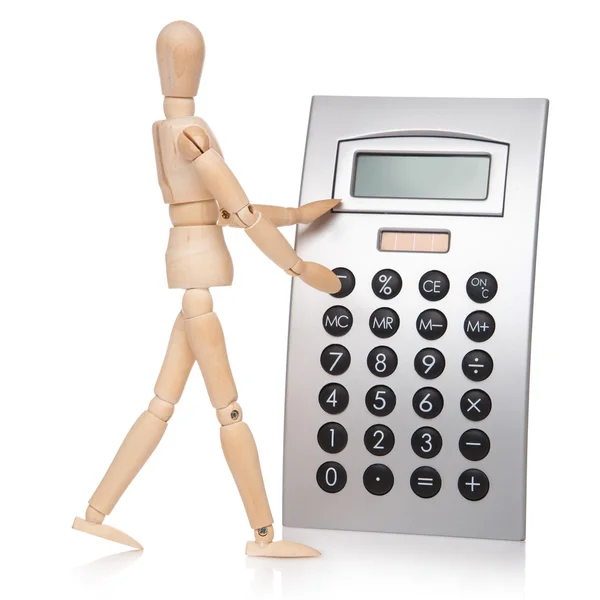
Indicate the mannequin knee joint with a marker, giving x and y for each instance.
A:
(161, 409)
(196, 303)
(231, 414)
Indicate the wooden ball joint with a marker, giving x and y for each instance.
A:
(204, 196)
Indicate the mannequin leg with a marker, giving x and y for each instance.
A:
(205, 338)
(142, 439)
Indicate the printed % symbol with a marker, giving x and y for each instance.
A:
(385, 288)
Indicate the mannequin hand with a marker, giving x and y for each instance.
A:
(313, 210)
(317, 276)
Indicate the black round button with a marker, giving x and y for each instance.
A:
(430, 363)
(378, 479)
(384, 322)
(380, 400)
(434, 285)
(425, 482)
(337, 321)
(332, 438)
(334, 398)
(474, 444)
(480, 326)
(482, 287)
(428, 403)
(331, 477)
(432, 324)
(476, 405)
(426, 442)
(386, 284)
(382, 361)
(347, 280)
(477, 365)
(335, 359)
(379, 440)
(473, 484)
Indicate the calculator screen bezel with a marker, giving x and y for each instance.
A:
(427, 145)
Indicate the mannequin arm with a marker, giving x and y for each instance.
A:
(281, 217)
(236, 208)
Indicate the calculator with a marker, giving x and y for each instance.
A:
(407, 391)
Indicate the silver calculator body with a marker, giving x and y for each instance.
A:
(420, 426)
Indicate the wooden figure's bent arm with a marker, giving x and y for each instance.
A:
(194, 144)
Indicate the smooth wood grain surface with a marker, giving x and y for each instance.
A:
(241, 455)
(176, 366)
(222, 183)
(305, 214)
(180, 55)
(138, 445)
(205, 336)
(197, 257)
(178, 178)
(272, 243)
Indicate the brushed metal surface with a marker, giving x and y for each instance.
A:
(504, 246)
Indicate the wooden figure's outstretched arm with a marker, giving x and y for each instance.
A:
(282, 216)
(234, 204)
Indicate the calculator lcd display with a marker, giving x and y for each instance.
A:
(421, 176)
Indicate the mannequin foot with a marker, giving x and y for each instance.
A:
(266, 547)
(93, 525)
(281, 549)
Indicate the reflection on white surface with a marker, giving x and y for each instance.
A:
(107, 565)
(366, 562)
(352, 565)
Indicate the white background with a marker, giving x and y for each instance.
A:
(86, 312)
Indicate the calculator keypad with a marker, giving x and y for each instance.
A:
(347, 280)
(473, 484)
(384, 322)
(430, 363)
(332, 477)
(337, 321)
(476, 405)
(432, 324)
(379, 440)
(477, 365)
(380, 400)
(425, 482)
(382, 361)
(334, 398)
(426, 442)
(474, 444)
(479, 326)
(428, 402)
(482, 287)
(335, 359)
(332, 437)
(378, 479)
(386, 284)
(434, 286)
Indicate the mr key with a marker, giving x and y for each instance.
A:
(407, 391)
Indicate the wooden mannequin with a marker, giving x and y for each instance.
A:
(203, 196)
